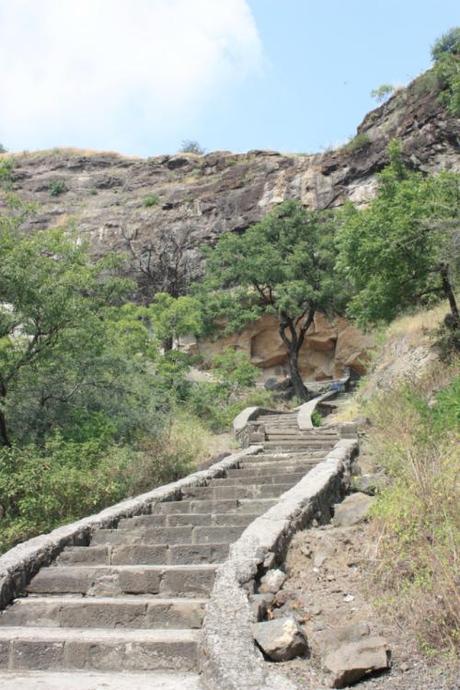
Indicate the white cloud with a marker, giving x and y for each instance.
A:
(98, 72)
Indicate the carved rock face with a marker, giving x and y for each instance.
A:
(329, 348)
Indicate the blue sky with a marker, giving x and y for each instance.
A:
(140, 77)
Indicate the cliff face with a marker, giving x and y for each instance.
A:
(202, 197)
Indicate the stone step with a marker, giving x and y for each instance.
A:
(256, 505)
(238, 492)
(279, 469)
(309, 442)
(99, 680)
(105, 612)
(273, 472)
(169, 580)
(306, 446)
(230, 519)
(196, 506)
(299, 434)
(280, 457)
(259, 478)
(167, 536)
(101, 650)
(144, 554)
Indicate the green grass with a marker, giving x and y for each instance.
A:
(151, 200)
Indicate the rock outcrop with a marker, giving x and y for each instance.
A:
(110, 198)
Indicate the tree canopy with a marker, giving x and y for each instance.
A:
(402, 249)
(71, 356)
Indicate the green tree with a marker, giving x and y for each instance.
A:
(446, 57)
(2, 149)
(70, 357)
(173, 317)
(400, 250)
(447, 44)
(192, 146)
(382, 92)
(282, 266)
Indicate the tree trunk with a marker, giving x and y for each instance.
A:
(4, 435)
(168, 344)
(449, 293)
(293, 346)
(299, 386)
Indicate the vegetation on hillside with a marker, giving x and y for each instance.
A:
(92, 406)
(402, 251)
(414, 435)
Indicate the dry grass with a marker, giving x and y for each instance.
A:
(421, 323)
(64, 151)
(417, 521)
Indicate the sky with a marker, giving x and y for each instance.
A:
(142, 76)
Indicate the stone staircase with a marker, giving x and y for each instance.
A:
(135, 597)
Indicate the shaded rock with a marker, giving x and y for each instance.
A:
(369, 484)
(352, 661)
(280, 639)
(272, 581)
(260, 603)
(352, 510)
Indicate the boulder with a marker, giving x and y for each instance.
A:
(281, 639)
(328, 640)
(272, 581)
(351, 661)
(352, 510)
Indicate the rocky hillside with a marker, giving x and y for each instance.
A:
(111, 197)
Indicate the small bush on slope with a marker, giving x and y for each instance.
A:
(414, 435)
(217, 403)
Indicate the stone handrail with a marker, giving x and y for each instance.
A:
(305, 411)
(245, 424)
(21, 563)
(229, 658)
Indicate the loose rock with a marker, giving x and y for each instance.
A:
(352, 510)
(281, 639)
(272, 581)
(350, 662)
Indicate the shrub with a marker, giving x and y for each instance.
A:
(212, 403)
(382, 92)
(42, 488)
(192, 146)
(316, 418)
(448, 43)
(416, 515)
(151, 200)
(359, 143)
(6, 169)
(57, 187)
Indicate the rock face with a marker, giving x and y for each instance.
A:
(329, 349)
(110, 198)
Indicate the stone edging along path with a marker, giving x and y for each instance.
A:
(229, 658)
(21, 563)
